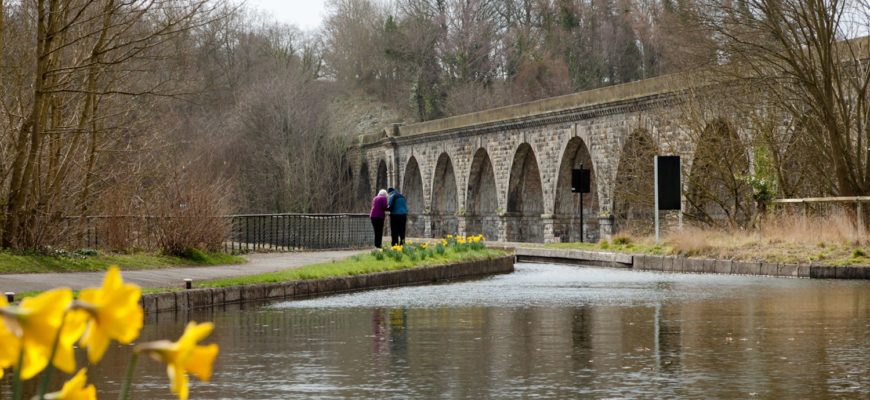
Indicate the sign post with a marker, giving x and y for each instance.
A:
(580, 183)
(667, 186)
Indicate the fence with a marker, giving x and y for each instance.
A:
(254, 232)
(259, 232)
(828, 206)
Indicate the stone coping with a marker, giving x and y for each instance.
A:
(680, 264)
(209, 297)
(598, 258)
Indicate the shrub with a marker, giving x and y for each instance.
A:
(858, 253)
(194, 254)
(621, 240)
(188, 215)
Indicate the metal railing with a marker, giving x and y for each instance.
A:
(852, 206)
(275, 232)
(246, 232)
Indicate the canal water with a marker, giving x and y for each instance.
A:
(545, 331)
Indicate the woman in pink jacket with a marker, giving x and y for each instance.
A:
(378, 213)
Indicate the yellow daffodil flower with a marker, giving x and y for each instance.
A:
(424, 245)
(449, 236)
(9, 343)
(184, 355)
(409, 242)
(36, 322)
(75, 389)
(443, 242)
(116, 314)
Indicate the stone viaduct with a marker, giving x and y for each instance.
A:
(506, 172)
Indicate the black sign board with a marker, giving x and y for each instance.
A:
(580, 181)
(669, 187)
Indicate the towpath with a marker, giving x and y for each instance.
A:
(173, 277)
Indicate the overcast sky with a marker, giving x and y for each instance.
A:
(306, 14)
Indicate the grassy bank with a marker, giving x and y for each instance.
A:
(357, 265)
(91, 261)
(786, 241)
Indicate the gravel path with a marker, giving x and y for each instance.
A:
(169, 277)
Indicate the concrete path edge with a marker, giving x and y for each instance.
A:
(210, 297)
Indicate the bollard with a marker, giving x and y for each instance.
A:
(10, 297)
(188, 283)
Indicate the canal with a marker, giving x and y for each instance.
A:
(545, 331)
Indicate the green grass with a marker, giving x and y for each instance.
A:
(355, 265)
(35, 263)
(628, 248)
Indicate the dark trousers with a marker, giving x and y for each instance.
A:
(378, 224)
(397, 228)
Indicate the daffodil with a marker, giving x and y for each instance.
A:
(184, 355)
(36, 321)
(75, 389)
(424, 245)
(116, 314)
(10, 345)
(449, 236)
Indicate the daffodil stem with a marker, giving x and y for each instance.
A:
(16, 379)
(46, 377)
(128, 379)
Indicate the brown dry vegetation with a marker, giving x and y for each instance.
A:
(793, 239)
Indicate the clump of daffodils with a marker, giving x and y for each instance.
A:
(40, 334)
(424, 250)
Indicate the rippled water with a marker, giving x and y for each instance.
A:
(545, 331)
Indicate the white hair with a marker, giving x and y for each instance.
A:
(382, 192)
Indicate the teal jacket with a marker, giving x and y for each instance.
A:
(397, 204)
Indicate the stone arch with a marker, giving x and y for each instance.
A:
(412, 188)
(364, 193)
(444, 198)
(718, 193)
(566, 210)
(382, 177)
(525, 197)
(481, 205)
(633, 197)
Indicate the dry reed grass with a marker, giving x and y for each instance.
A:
(833, 239)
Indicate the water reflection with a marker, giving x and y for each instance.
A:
(545, 331)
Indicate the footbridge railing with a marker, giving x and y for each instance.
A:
(267, 232)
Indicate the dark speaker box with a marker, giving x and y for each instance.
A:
(670, 187)
(580, 181)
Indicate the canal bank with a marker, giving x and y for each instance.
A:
(681, 264)
(300, 289)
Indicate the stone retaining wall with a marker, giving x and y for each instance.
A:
(706, 265)
(692, 265)
(597, 258)
(207, 297)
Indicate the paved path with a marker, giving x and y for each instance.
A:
(169, 277)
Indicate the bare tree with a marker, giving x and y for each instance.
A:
(808, 63)
(85, 67)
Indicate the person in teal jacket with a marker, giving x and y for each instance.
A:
(398, 208)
